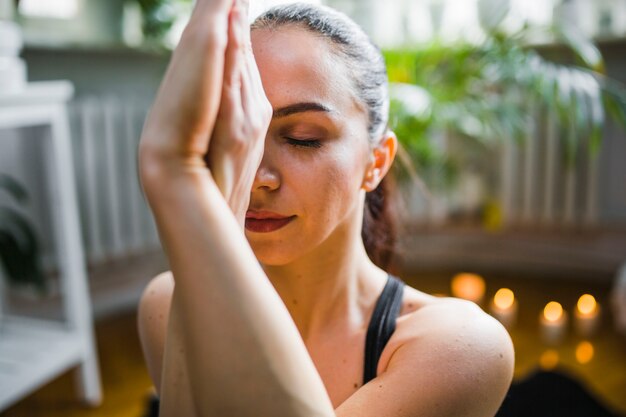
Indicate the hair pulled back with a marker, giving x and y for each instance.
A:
(366, 66)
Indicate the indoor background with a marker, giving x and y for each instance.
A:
(512, 180)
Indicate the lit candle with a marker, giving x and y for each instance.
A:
(504, 307)
(469, 287)
(553, 322)
(584, 352)
(587, 315)
(549, 359)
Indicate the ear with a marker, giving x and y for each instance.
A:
(381, 158)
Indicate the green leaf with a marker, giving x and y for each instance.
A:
(583, 47)
(581, 108)
(616, 105)
(596, 112)
(491, 13)
(19, 249)
(14, 188)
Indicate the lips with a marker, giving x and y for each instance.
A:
(265, 221)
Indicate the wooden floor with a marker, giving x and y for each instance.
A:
(127, 385)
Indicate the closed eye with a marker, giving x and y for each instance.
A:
(304, 143)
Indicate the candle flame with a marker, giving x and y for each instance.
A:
(549, 359)
(504, 298)
(468, 286)
(553, 311)
(584, 352)
(586, 304)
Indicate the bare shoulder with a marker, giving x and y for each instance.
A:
(456, 326)
(160, 286)
(422, 314)
(461, 357)
(152, 317)
(155, 299)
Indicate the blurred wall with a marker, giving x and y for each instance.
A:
(99, 70)
(613, 175)
(97, 21)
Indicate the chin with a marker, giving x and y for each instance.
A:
(273, 257)
(273, 253)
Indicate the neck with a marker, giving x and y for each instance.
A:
(331, 289)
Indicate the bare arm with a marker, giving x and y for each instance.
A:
(243, 354)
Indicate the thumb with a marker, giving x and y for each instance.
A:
(244, 9)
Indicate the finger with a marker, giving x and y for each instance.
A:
(233, 58)
(251, 67)
(239, 27)
(251, 72)
(248, 96)
(244, 6)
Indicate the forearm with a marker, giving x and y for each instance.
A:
(244, 354)
(175, 393)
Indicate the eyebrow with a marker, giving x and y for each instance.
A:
(299, 108)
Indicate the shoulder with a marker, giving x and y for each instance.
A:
(152, 317)
(460, 328)
(156, 296)
(464, 356)
(159, 286)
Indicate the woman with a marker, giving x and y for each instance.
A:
(256, 159)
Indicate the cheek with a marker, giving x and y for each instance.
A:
(330, 185)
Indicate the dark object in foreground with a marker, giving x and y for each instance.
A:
(152, 406)
(551, 394)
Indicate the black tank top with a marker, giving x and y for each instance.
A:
(382, 325)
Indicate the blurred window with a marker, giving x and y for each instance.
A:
(56, 9)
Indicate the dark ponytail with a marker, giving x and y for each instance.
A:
(369, 75)
(379, 223)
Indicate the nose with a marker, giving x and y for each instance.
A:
(267, 177)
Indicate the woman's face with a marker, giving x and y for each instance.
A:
(316, 149)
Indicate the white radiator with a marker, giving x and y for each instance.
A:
(115, 218)
(533, 185)
(538, 187)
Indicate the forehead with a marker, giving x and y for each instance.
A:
(297, 65)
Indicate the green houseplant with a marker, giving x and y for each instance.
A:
(19, 244)
(488, 92)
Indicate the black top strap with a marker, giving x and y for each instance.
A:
(382, 325)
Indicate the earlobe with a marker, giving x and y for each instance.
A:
(381, 159)
(370, 182)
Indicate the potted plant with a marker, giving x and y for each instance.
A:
(486, 93)
(19, 246)
(164, 20)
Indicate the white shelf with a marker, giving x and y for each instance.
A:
(41, 92)
(33, 352)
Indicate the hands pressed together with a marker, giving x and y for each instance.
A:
(211, 115)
